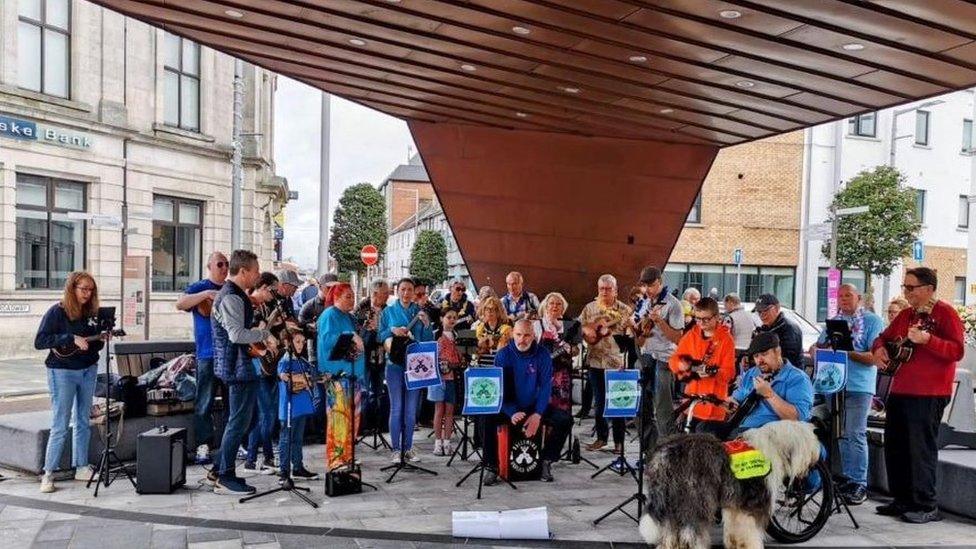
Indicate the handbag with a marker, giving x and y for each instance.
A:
(99, 409)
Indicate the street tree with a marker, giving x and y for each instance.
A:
(360, 219)
(876, 240)
(428, 258)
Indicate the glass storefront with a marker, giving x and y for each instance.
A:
(718, 280)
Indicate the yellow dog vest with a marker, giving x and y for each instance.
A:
(746, 462)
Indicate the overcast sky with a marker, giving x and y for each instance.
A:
(366, 146)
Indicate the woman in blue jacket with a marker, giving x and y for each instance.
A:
(70, 329)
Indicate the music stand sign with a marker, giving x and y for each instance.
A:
(422, 368)
(623, 393)
(830, 374)
(482, 391)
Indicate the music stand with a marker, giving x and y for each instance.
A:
(375, 397)
(626, 346)
(403, 463)
(638, 474)
(481, 465)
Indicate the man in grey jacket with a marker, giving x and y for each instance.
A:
(233, 318)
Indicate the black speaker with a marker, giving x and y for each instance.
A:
(160, 460)
(342, 483)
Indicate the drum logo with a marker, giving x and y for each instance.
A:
(524, 456)
(484, 392)
(622, 394)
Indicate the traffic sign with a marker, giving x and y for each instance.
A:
(833, 287)
(737, 256)
(918, 251)
(370, 255)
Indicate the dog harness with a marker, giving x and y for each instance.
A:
(746, 462)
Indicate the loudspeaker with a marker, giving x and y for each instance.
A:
(160, 460)
(342, 483)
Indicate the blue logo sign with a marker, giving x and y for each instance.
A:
(31, 131)
(918, 251)
(18, 129)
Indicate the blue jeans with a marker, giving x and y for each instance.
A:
(240, 404)
(403, 408)
(262, 426)
(854, 443)
(287, 449)
(71, 391)
(203, 406)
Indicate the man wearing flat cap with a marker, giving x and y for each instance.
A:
(774, 321)
(785, 391)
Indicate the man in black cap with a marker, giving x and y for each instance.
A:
(774, 321)
(785, 391)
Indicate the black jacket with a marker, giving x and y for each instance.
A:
(790, 339)
(57, 330)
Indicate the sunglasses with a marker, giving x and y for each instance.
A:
(912, 287)
(221, 264)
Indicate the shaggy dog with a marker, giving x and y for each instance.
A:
(690, 479)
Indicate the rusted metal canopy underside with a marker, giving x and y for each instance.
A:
(694, 72)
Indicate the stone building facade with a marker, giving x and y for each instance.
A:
(124, 115)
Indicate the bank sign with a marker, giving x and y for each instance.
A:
(32, 131)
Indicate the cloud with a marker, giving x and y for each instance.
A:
(365, 146)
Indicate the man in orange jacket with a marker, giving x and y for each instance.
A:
(705, 360)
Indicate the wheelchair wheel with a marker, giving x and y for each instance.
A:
(801, 507)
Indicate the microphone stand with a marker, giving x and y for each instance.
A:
(105, 467)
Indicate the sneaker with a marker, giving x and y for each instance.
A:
(546, 473)
(596, 445)
(304, 474)
(921, 517)
(893, 509)
(855, 494)
(411, 456)
(242, 454)
(618, 466)
(47, 483)
(232, 487)
(203, 455)
(85, 473)
(448, 448)
(268, 467)
(395, 457)
(250, 467)
(438, 447)
(211, 478)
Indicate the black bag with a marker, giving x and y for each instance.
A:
(132, 395)
(398, 349)
(113, 392)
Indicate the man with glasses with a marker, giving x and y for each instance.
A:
(705, 360)
(920, 391)
(457, 301)
(517, 302)
(774, 321)
(197, 299)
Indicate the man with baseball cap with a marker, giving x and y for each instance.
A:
(785, 391)
(774, 321)
(288, 284)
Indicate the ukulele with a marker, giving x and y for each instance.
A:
(69, 350)
(901, 349)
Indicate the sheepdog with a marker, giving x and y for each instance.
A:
(690, 479)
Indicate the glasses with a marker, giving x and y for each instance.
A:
(912, 287)
(704, 318)
(86, 289)
(605, 288)
(221, 264)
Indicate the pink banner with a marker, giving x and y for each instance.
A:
(833, 284)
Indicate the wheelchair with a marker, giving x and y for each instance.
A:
(803, 505)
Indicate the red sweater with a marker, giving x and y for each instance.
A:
(931, 370)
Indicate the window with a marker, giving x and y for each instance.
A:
(967, 136)
(181, 85)
(863, 125)
(177, 226)
(921, 127)
(959, 291)
(44, 46)
(920, 204)
(49, 243)
(857, 278)
(963, 211)
(694, 215)
(749, 282)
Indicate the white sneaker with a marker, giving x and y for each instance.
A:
(438, 447)
(411, 456)
(395, 458)
(203, 454)
(84, 474)
(47, 483)
(447, 447)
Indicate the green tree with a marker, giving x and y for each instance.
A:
(876, 240)
(360, 219)
(428, 259)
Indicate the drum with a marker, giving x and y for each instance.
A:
(519, 457)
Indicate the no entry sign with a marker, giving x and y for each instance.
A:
(369, 254)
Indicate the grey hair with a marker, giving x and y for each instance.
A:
(607, 279)
(733, 298)
(378, 284)
(850, 287)
(690, 291)
(523, 321)
(515, 274)
(554, 296)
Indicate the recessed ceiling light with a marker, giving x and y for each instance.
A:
(730, 14)
(357, 42)
(745, 84)
(234, 13)
(569, 89)
(521, 30)
(637, 59)
(521, 115)
(393, 1)
(853, 46)
(666, 111)
(468, 68)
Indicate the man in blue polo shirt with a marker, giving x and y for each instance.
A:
(784, 390)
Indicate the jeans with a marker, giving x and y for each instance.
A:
(241, 398)
(648, 415)
(664, 399)
(599, 384)
(202, 407)
(403, 408)
(912, 449)
(854, 443)
(289, 451)
(262, 426)
(71, 391)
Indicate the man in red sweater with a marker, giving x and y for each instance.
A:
(920, 391)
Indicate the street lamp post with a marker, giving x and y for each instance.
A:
(833, 280)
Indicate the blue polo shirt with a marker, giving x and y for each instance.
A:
(791, 384)
(202, 331)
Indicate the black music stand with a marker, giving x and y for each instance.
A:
(287, 484)
(403, 463)
(481, 465)
(461, 450)
(638, 474)
(106, 324)
(627, 347)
